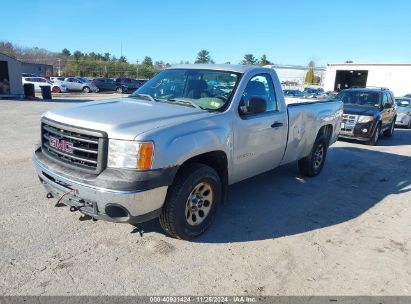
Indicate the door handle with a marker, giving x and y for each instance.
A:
(277, 125)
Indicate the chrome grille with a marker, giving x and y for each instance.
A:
(349, 119)
(87, 148)
(348, 124)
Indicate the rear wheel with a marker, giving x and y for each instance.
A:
(314, 163)
(374, 139)
(119, 90)
(191, 202)
(86, 90)
(56, 90)
(390, 131)
(409, 124)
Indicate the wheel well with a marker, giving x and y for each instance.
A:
(327, 132)
(216, 160)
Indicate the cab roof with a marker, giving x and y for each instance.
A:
(236, 68)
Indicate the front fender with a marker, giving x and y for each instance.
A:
(176, 144)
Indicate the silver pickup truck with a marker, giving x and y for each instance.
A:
(171, 149)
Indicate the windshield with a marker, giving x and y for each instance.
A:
(205, 89)
(359, 98)
(402, 102)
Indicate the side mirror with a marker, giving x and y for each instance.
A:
(253, 105)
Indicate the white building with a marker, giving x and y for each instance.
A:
(396, 77)
(295, 74)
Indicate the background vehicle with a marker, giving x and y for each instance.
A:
(131, 84)
(408, 95)
(313, 92)
(142, 81)
(108, 84)
(368, 112)
(294, 93)
(207, 125)
(76, 84)
(403, 112)
(40, 81)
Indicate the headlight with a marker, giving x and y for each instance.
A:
(364, 119)
(130, 154)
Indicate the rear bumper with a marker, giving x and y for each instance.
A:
(122, 206)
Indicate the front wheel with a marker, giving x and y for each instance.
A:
(191, 202)
(374, 139)
(56, 90)
(390, 131)
(86, 90)
(119, 90)
(314, 163)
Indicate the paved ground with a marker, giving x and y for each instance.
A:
(345, 232)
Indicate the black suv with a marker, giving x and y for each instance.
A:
(368, 112)
(108, 84)
(131, 84)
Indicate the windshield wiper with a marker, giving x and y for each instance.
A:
(186, 102)
(146, 96)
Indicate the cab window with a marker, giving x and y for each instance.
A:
(262, 86)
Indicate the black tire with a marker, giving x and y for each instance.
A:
(409, 125)
(120, 90)
(374, 138)
(312, 165)
(86, 90)
(173, 218)
(55, 89)
(390, 131)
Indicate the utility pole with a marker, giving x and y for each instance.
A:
(59, 62)
(137, 68)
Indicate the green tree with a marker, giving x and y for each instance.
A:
(264, 60)
(203, 56)
(147, 61)
(106, 56)
(249, 59)
(311, 64)
(122, 59)
(77, 55)
(66, 52)
(310, 77)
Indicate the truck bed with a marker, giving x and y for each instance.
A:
(304, 120)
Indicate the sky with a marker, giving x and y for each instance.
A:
(288, 32)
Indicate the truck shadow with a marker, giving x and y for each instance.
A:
(282, 202)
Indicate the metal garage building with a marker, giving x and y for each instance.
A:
(396, 77)
(10, 76)
(37, 69)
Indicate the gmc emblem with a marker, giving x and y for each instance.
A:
(61, 144)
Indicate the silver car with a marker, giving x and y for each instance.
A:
(403, 112)
(76, 84)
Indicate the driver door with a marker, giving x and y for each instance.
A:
(259, 139)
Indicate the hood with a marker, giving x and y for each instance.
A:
(124, 118)
(360, 110)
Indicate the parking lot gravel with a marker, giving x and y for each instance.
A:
(345, 232)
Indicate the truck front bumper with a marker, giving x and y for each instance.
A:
(122, 206)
